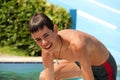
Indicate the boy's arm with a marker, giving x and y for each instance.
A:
(83, 57)
(49, 72)
(48, 66)
(86, 66)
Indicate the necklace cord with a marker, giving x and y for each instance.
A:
(60, 49)
(60, 46)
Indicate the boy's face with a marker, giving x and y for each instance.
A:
(45, 38)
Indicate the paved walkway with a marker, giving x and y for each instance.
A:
(19, 59)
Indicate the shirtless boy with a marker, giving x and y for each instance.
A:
(80, 54)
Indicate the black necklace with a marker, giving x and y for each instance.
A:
(57, 60)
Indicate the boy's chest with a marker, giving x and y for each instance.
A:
(68, 55)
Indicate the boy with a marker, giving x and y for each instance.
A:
(81, 54)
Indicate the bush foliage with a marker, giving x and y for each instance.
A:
(14, 19)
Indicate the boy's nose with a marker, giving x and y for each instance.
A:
(44, 42)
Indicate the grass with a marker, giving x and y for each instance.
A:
(11, 51)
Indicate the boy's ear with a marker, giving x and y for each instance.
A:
(55, 29)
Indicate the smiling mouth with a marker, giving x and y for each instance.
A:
(48, 46)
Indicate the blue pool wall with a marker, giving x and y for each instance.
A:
(100, 18)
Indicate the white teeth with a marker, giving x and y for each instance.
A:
(48, 46)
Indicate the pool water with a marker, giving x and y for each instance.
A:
(25, 71)
(20, 71)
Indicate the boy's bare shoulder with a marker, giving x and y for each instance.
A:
(72, 33)
(76, 36)
(69, 32)
(72, 36)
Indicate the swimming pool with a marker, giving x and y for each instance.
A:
(25, 71)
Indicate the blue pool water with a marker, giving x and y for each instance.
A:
(25, 71)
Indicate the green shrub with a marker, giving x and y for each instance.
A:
(14, 19)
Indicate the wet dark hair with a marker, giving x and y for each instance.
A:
(39, 21)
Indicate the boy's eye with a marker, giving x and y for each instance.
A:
(43, 37)
(38, 39)
(46, 35)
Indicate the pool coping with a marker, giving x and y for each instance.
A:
(20, 59)
(24, 59)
